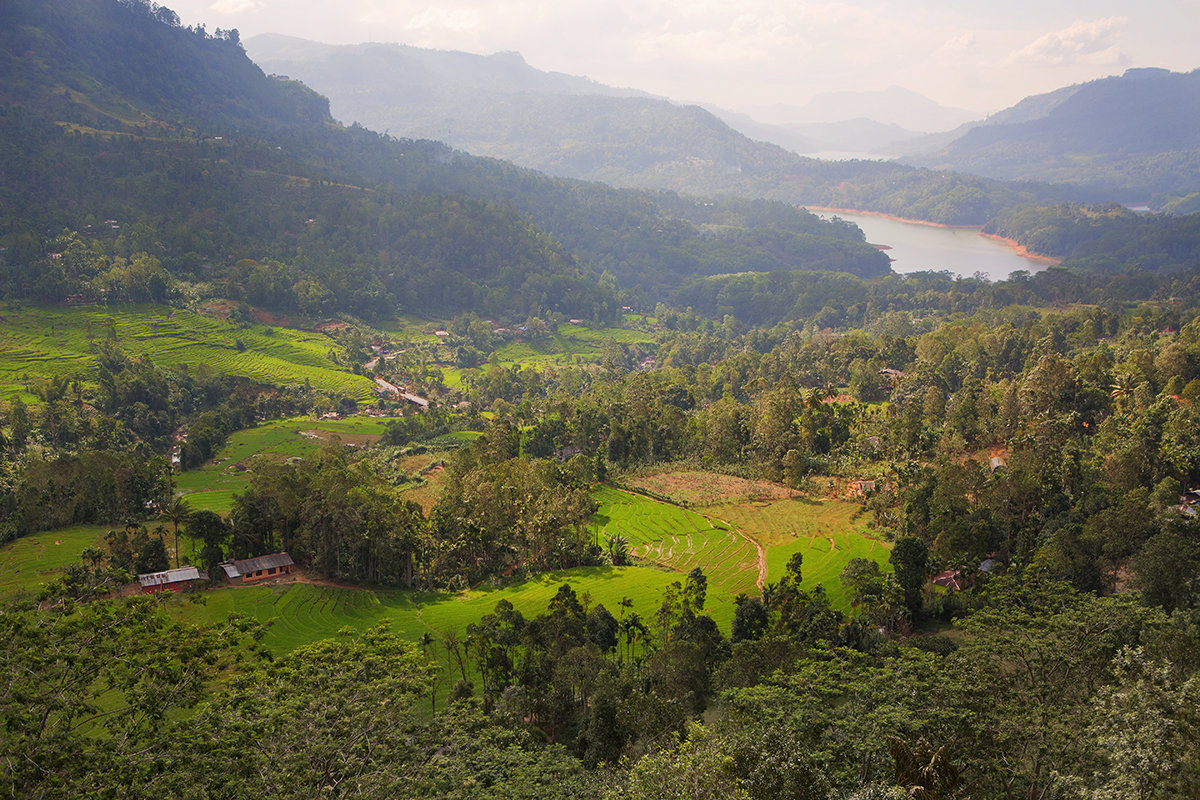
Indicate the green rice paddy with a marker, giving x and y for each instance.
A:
(62, 341)
(212, 485)
(31, 562)
(680, 540)
(300, 613)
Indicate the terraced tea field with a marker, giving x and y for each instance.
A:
(680, 540)
(827, 532)
(50, 342)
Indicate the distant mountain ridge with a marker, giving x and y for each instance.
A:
(135, 153)
(499, 106)
(1136, 132)
(625, 141)
(892, 106)
(421, 70)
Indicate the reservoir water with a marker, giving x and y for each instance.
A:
(914, 247)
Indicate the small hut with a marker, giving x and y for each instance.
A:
(249, 570)
(171, 580)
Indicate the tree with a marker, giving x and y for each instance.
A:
(208, 528)
(112, 677)
(1145, 732)
(910, 559)
(696, 768)
(750, 620)
(177, 510)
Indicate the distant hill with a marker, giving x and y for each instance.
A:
(499, 106)
(892, 106)
(575, 128)
(173, 163)
(862, 136)
(1136, 134)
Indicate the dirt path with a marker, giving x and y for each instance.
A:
(760, 558)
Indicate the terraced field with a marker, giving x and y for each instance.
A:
(680, 540)
(30, 562)
(827, 532)
(60, 341)
(690, 487)
(212, 485)
(301, 612)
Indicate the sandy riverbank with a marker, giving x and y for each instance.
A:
(1011, 244)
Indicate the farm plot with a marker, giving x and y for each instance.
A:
(696, 488)
(827, 533)
(212, 485)
(50, 342)
(680, 540)
(300, 613)
(29, 563)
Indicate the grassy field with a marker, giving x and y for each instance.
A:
(47, 342)
(300, 613)
(277, 440)
(827, 532)
(212, 485)
(679, 539)
(693, 487)
(31, 562)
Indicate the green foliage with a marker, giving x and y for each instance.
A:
(109, 676)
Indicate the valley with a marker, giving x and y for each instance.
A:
(339, 463)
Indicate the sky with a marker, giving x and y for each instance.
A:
(749, 55)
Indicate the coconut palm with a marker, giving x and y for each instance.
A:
(177, 512)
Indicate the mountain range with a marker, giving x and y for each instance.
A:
(135, 152)
(1135, 132)
(1128, 138)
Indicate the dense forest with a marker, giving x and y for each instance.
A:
(253, 189)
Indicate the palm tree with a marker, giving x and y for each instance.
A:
(176, 511)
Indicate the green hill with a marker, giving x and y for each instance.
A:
(145, 137)
(1134, 133)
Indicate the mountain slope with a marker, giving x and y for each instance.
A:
(624, 141)
(165, 148)
(1135, 132)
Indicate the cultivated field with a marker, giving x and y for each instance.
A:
(827, 532)
(29, 563)
(48, 342)
(680, 540)
(697, 488)
(300, 613)
(211, 486)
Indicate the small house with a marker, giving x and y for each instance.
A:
(249, 570)
(171, 580)
(950, 579)
(1189, 503)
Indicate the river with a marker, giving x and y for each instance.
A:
(915, 247)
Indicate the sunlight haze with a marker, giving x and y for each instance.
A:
(751, 55)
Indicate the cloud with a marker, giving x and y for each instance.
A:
(959, 44)
(452, 20)
(235, 6)
(1086, 42)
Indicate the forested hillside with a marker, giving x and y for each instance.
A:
(563, 128)
(220, 175)
(1130, 134)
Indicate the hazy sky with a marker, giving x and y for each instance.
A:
(748, 54)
